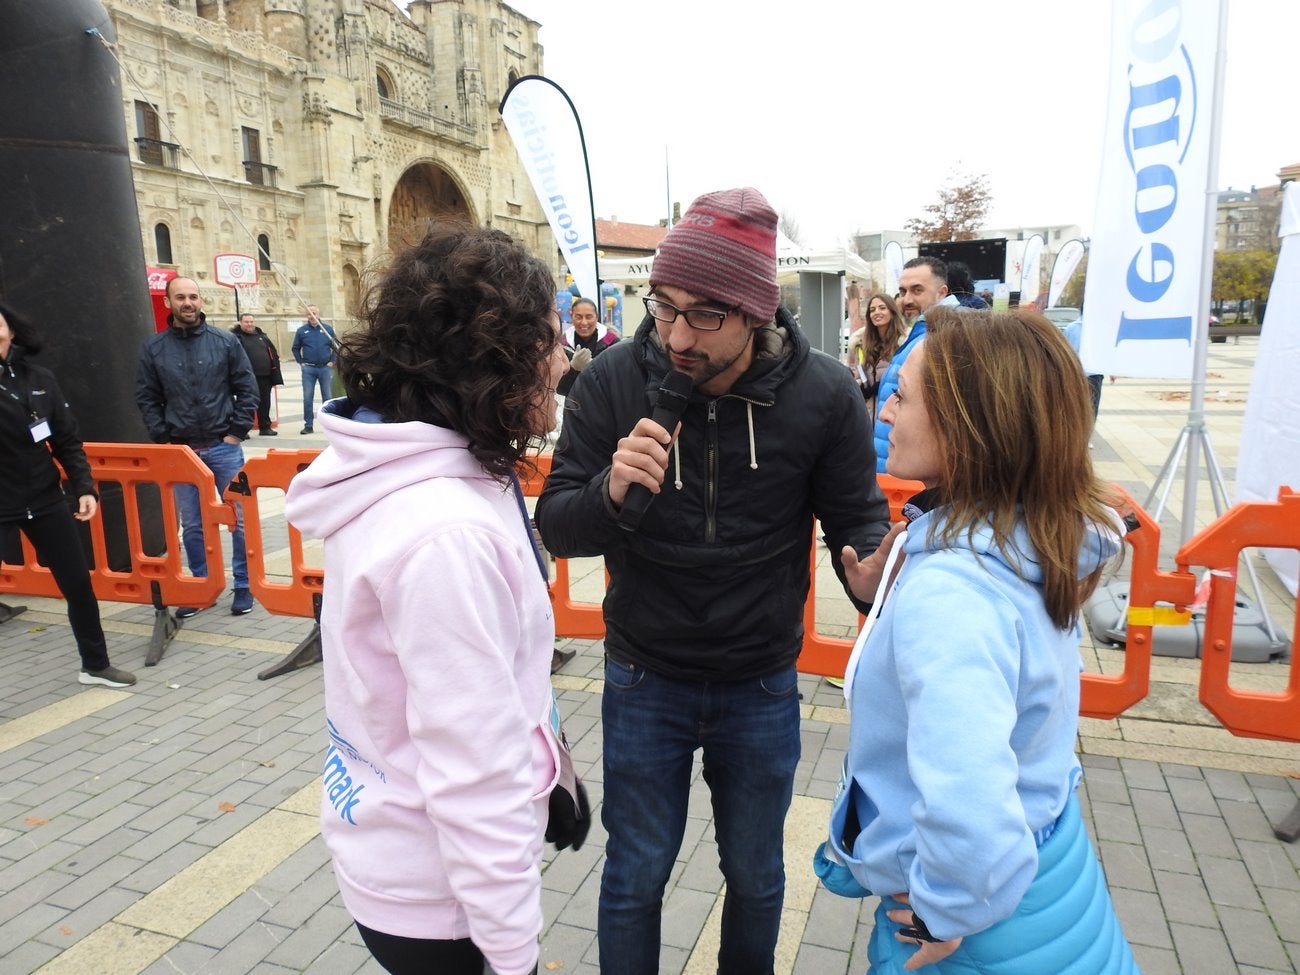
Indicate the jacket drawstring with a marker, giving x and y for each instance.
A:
(749, 415)
(753, 448)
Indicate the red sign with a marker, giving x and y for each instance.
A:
(158, 278)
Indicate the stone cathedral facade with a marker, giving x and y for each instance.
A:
(317, 135)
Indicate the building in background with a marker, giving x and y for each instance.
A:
(617, 239)
(325, 132)
(1247, 220)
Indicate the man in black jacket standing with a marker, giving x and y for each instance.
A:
(194, 386)
(704, 607)
(265, 360)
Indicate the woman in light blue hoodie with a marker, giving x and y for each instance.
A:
(957, 803)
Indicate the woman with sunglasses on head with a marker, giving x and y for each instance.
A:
(443, 755)
(36, 428)
(957, 802)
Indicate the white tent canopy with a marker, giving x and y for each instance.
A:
(790, 260)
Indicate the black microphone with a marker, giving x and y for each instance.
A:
(669, 407)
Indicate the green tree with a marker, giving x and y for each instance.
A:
(1242, 276)
(963, 204)
(1072, 293)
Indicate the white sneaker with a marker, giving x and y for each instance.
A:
(108, 677)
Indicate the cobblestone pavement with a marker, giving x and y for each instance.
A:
(171, 827)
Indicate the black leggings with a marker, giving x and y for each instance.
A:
(53, 533)
(419, 956)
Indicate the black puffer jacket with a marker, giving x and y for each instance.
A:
(29, 479)
(713, 583)
(195, 386)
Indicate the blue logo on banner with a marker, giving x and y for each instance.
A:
(1158, 129)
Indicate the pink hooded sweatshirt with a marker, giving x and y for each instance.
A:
(437, 635)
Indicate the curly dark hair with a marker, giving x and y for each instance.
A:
(456, 333)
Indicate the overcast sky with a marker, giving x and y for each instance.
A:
(849, 115)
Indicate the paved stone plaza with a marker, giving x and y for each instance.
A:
(171, 827)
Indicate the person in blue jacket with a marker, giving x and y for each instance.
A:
(923, 284)
(314, 346)
(957, 804)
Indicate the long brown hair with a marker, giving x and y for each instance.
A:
(881, 346)
(1011, 408)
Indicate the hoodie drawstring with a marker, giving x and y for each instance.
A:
(749, 416)
(753, 448)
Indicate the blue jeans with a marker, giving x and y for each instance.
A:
(313, 376)
(749, 731)
(224, 460)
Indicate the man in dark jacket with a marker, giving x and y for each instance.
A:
(265, 360)
(704, 607)
(194, 386)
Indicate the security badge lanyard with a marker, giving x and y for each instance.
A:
(40, 426)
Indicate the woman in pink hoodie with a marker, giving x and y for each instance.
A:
(443, 747)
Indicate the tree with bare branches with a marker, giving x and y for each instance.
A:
(963, 204)
(788, 224)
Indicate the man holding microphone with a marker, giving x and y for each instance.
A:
(704, 610)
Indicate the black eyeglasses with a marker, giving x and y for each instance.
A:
(705, 319)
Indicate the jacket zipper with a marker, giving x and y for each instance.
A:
(711, 476)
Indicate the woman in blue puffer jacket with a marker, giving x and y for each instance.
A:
(957, 803)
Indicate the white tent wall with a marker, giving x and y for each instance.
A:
(1269, 455)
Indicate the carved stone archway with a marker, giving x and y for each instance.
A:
(425, 192)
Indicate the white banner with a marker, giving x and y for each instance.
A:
(1067, 260)
(1031, 270)
(1144, 267)
(1269, 455)
(893, 266)
(548, 136)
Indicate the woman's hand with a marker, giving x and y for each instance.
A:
(86, 507)
(863, 576)
(915, 933)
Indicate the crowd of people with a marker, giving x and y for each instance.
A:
(446, 767)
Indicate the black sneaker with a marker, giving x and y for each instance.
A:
(108, 677)
(268, 433)
(185, 612)
(561, 657)
(306, 430)
(242, 604)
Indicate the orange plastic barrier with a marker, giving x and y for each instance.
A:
(897, 491)
(301, 595)
(1272, 524)
(1106, 696)
(1155, 597)
(583, 621)
(150, 578)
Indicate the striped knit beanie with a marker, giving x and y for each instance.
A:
(724, 247)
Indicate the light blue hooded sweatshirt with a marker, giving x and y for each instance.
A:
(961, 748)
